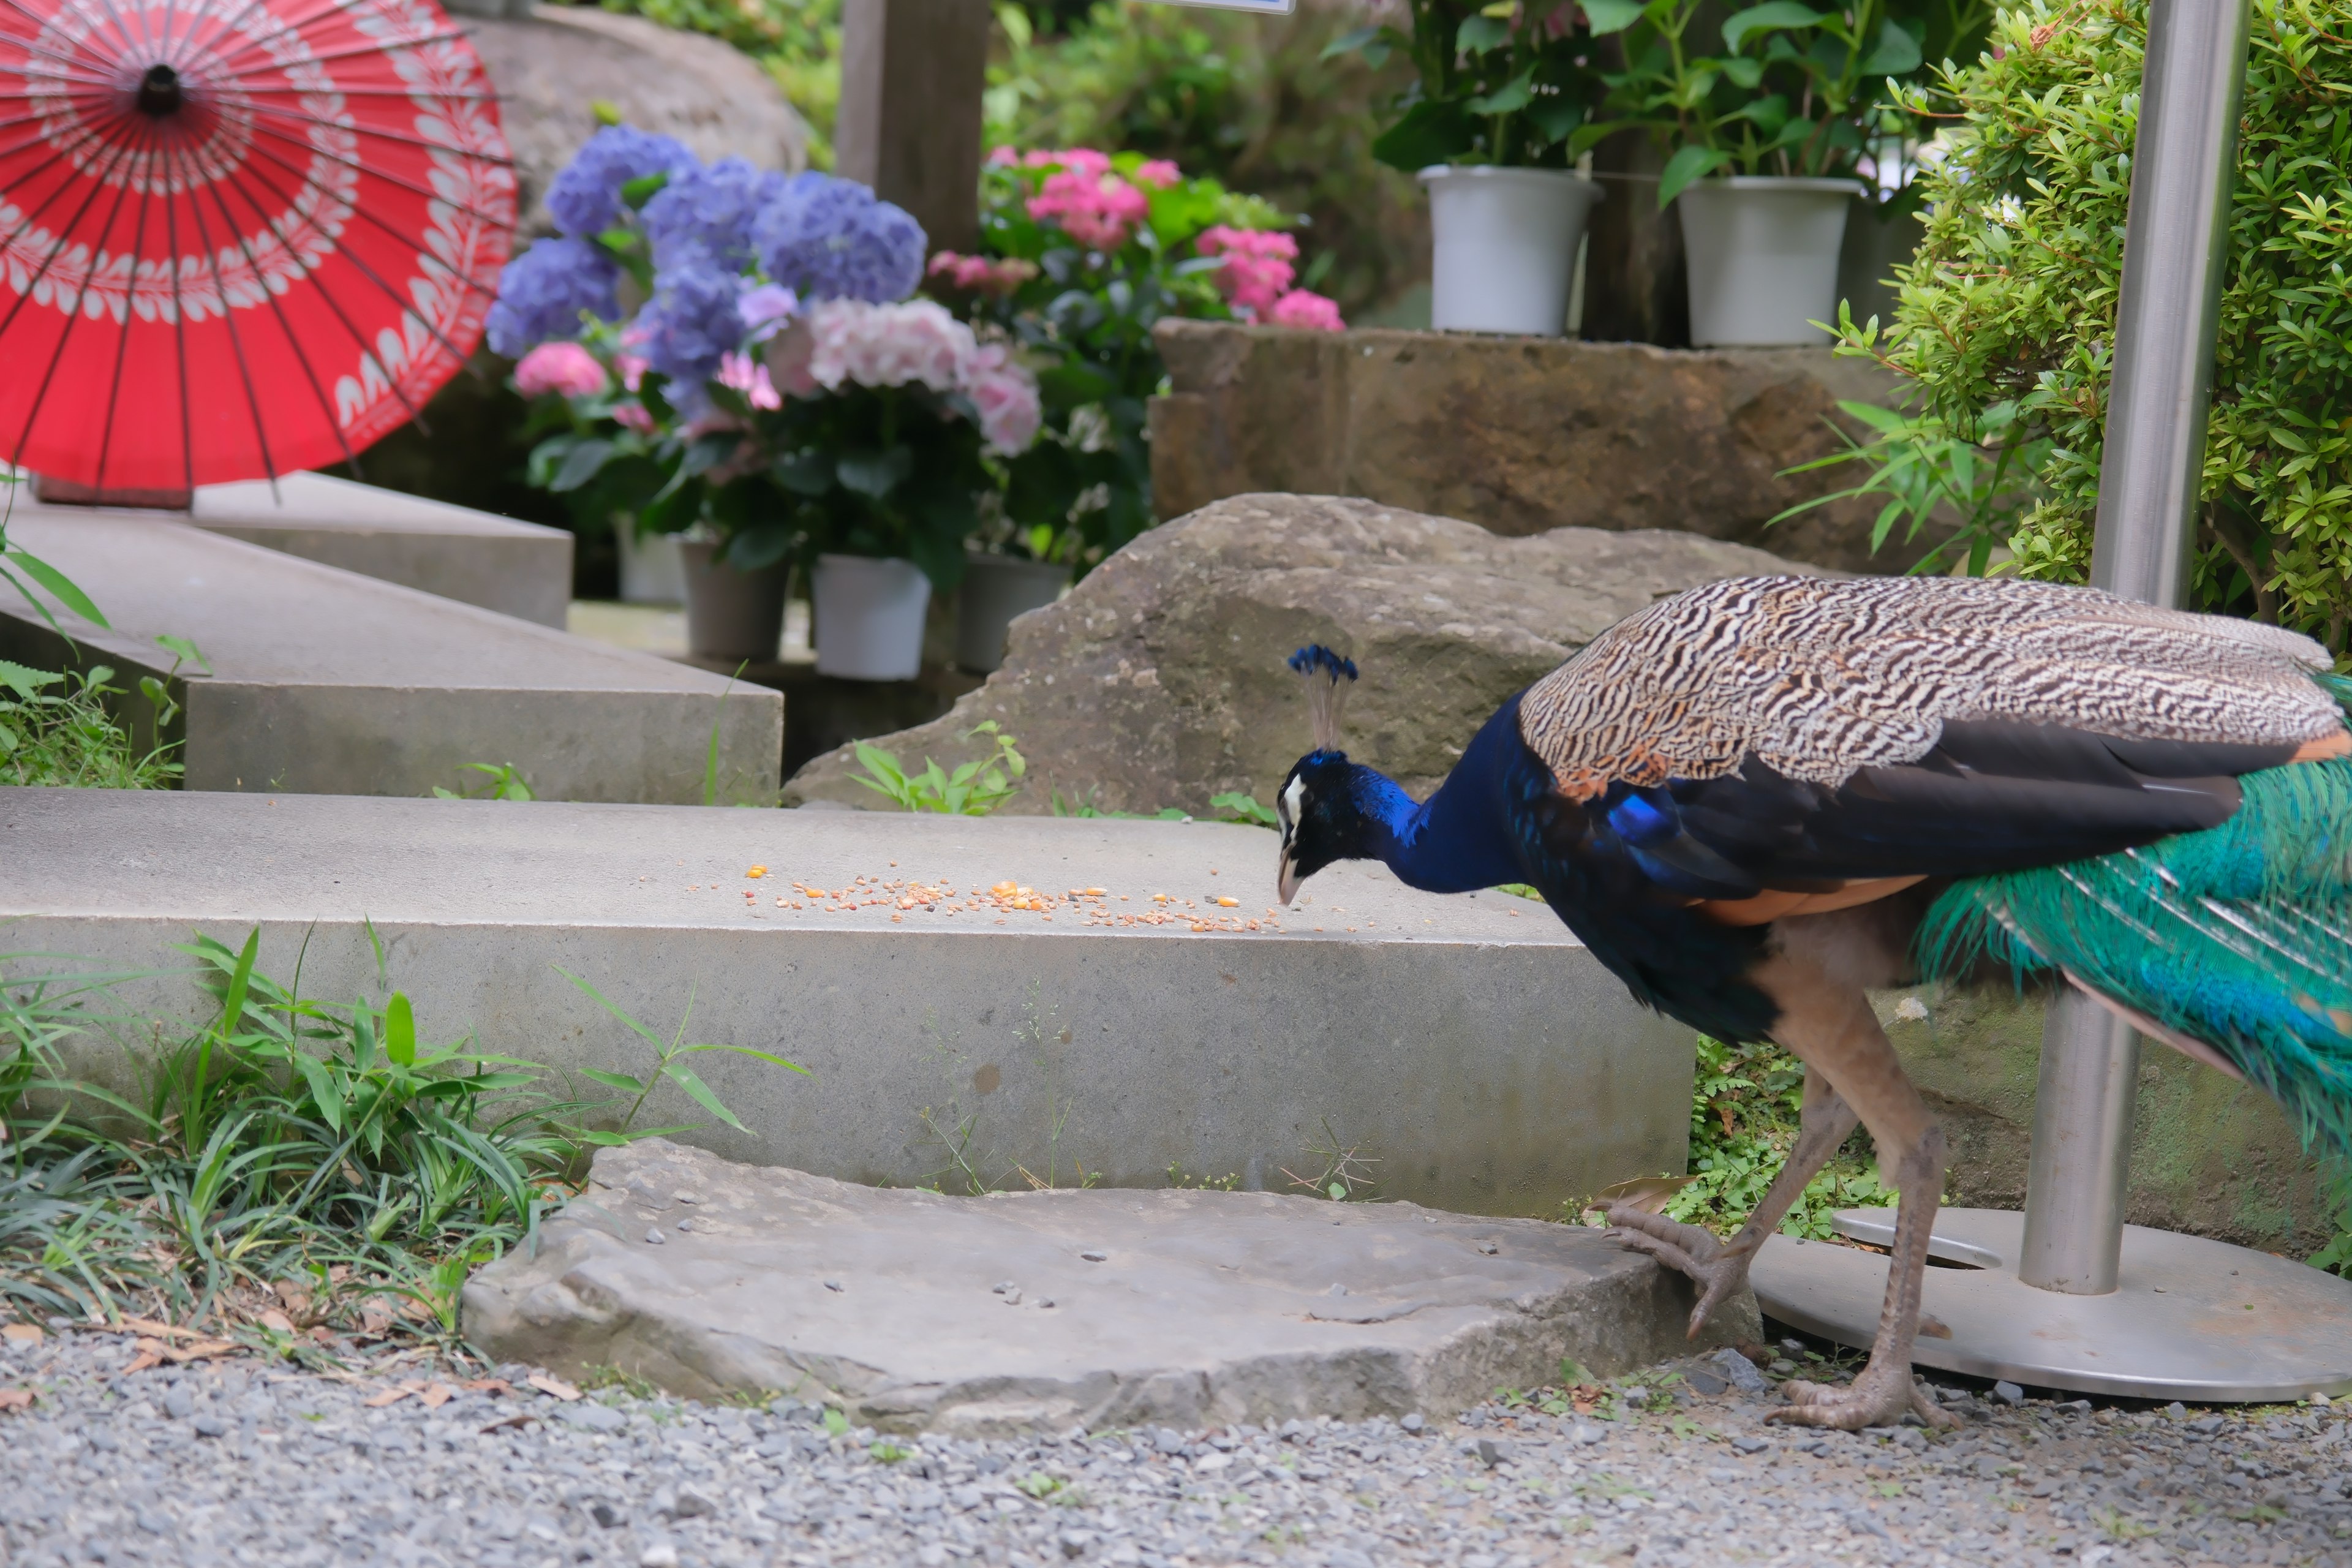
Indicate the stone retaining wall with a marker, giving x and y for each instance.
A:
(1520, 434)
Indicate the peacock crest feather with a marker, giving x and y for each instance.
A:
(1328, 676)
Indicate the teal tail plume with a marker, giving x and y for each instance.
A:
(2240, 936)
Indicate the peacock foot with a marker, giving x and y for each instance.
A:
(1720, 1269)
(1879, 1397)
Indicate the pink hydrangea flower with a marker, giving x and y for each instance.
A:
(749, 377)
(1307, 311)
(981, 274)
(1004, 394)
(633, 417)
(1077, 160)
(1158, 174)
(1095, 207)
(839, 342)
(559, 367)
(1257, 270)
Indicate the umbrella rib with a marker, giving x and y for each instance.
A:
(373, 174)
(228, 320)
(121, 28)
(336, 306)
(122, 339)
(73, 319)
(179, 332)
(64, 231)
(381, 134)
(383, 46)
(277, 309)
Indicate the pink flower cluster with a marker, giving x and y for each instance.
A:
(1256, 280)
(749, 377)
(560, 367)
(981, 274)
(915, 342)
(1094, 205)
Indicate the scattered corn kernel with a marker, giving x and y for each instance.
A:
(1004, 889)
(1228, 904)
(756, 872)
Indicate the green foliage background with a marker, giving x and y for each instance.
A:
(2007, 315)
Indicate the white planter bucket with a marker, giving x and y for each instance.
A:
(995, 589)
(869, 618)
(1763, 257)
(651, 570)
(1506, 246)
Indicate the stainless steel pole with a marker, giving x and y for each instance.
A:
(2176, 249)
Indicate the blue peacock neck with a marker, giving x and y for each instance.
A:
(1459, 839)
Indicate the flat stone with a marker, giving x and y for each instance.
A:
(1213, 1309)
(327, 682)
(1522, 434)
(518, 569)
(1467, 1044)
(1159, 679)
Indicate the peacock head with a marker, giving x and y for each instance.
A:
(1321, 821)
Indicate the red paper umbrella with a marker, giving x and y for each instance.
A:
(237, 237)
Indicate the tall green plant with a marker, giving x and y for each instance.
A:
(2006, 318)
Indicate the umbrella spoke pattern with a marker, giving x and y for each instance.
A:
(237, 237)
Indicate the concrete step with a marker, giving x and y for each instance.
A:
(324, 682)
(518, 569)
(1039, 1311)
(1472, 1055)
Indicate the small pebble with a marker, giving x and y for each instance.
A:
(654, 1238)
(1094, 1255)
(835, 1285)
(2008, 1394)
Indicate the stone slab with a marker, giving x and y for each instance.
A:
(327, 682)
(1467, 1048)
(1175, 1309)
(518, 569)
(1520, 434)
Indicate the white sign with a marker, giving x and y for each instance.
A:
(1262, 7)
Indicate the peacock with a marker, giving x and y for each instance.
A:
(1754, 800)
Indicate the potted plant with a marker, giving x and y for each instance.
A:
(1081, 252)
(1773, 140)
(1488, 125)
(775, 397)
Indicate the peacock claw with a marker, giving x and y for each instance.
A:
(1872, 1399)
(1719, 1269)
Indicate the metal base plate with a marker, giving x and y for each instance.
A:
(2191, 1319)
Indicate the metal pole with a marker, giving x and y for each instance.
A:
(2176, 249)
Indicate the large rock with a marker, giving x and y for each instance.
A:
(1124, 1308)
(1160, 682)
(1522, 434)
(554, 64)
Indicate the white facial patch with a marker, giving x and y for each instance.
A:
(1291, 804)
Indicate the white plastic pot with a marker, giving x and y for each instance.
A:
(869, 618)
(651, 572)
(1505, 242)
(1763, 259)
(995, 589)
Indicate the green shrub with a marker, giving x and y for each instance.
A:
(1744, 1102)
(800, 45)
(56, 730)
(2007, 315)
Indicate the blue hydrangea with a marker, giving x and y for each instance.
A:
(832, 239)
(542, 292)
(691, 321)
(585, 199)
(713, 209)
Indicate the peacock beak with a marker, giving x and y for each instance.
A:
(1288, 880)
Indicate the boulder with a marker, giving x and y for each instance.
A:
(552, 64)
(1523, 434)
(1159, 680)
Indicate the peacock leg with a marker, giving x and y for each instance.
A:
(1720, 1267)
(1826, 1020)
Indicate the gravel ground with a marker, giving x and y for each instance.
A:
(240, 1463)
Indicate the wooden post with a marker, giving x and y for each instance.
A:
(911, 75)
(1634, 286)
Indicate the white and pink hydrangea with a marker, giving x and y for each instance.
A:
(838, 342)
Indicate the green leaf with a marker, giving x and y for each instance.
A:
(240, 978)
(59, 583)
(1897, 53)
(1427, 133)
(598, 997)
(28, 682)
(1769, 17)
(876, 474)
(750, 1051)
(683, 1076)
(399, 1030)
(1688, 165)
(324, 1092)
(1348, 42)
(183, 650)
(580, 464)
(1612, 15)
(1479, 34)
(1508, 98)
(619, 1080)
